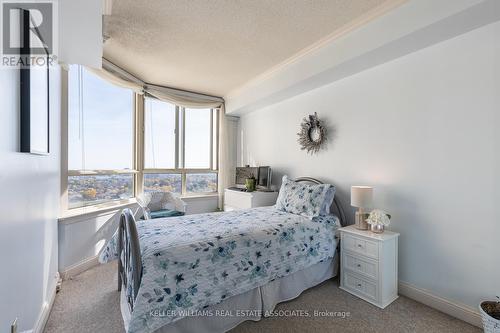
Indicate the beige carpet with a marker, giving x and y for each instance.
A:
(90, 303)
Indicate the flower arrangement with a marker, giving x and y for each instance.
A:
(379, 217)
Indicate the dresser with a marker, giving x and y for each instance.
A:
(234, 199)
(369, 265)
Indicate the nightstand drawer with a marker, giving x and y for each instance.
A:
(360, 245)
(359, 265)
(359, 285)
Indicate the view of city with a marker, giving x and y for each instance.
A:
(92, 190)
(168, 182)
(195, 182)
(201, 182)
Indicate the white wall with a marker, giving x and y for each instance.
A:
(199, 205)
(422, 129)
(29, 202)
(82, 237)
(80, 32)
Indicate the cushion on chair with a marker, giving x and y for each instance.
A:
(165, 213)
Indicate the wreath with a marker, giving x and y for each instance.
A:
(312, 135)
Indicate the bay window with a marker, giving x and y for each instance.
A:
(120, 143)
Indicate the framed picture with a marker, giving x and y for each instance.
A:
(34, 94)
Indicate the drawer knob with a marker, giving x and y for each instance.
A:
(359, 245)
(359, 284)
(359, 265)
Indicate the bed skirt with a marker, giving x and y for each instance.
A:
(251, 305)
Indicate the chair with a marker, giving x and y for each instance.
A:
(157, 204)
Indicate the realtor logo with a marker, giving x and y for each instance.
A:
(27, 34)
(27, 23)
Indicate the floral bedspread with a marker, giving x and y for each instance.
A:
(194, 261)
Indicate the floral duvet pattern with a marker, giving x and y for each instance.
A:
(194, 261)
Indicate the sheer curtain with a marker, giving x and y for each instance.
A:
(225, 164)
(187, 99)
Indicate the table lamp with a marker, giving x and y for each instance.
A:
(361, 197)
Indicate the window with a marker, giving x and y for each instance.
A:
(197, 136)
(201, 182)
(159, 124)
(101, 140)
(90, 190)
(179, 148)
(163, 182)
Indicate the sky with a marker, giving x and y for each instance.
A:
(107, 130)
(104, 139)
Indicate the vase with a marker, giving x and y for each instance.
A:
(377, 228)
(250, 184)
(490, 313)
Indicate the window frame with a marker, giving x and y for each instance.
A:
(66, 172)
(138, 155)
(180, 153)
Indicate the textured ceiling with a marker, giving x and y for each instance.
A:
(216, 46)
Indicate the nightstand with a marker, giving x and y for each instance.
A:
(369, 265)
(235, 200)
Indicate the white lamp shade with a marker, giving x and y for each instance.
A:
(361, 196)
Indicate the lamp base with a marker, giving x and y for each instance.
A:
(359, 220)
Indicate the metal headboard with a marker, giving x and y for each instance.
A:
(336, 202)
(128, 242)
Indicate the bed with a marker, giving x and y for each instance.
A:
(210, 272)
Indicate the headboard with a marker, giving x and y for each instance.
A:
(338, 210)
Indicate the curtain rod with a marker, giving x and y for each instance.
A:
(133, 78)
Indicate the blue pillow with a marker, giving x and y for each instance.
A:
(305, 199)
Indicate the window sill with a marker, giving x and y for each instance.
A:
(199, 196)
(83, 213)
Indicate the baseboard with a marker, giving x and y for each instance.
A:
(79, 267)
(46, 307)
(453, 309)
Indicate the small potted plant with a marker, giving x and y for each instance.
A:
(378, 220)
(490, 313)
(250, 183)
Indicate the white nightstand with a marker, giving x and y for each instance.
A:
(369, 265)
(234, 200)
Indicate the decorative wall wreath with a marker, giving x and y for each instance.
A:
(312, 135)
